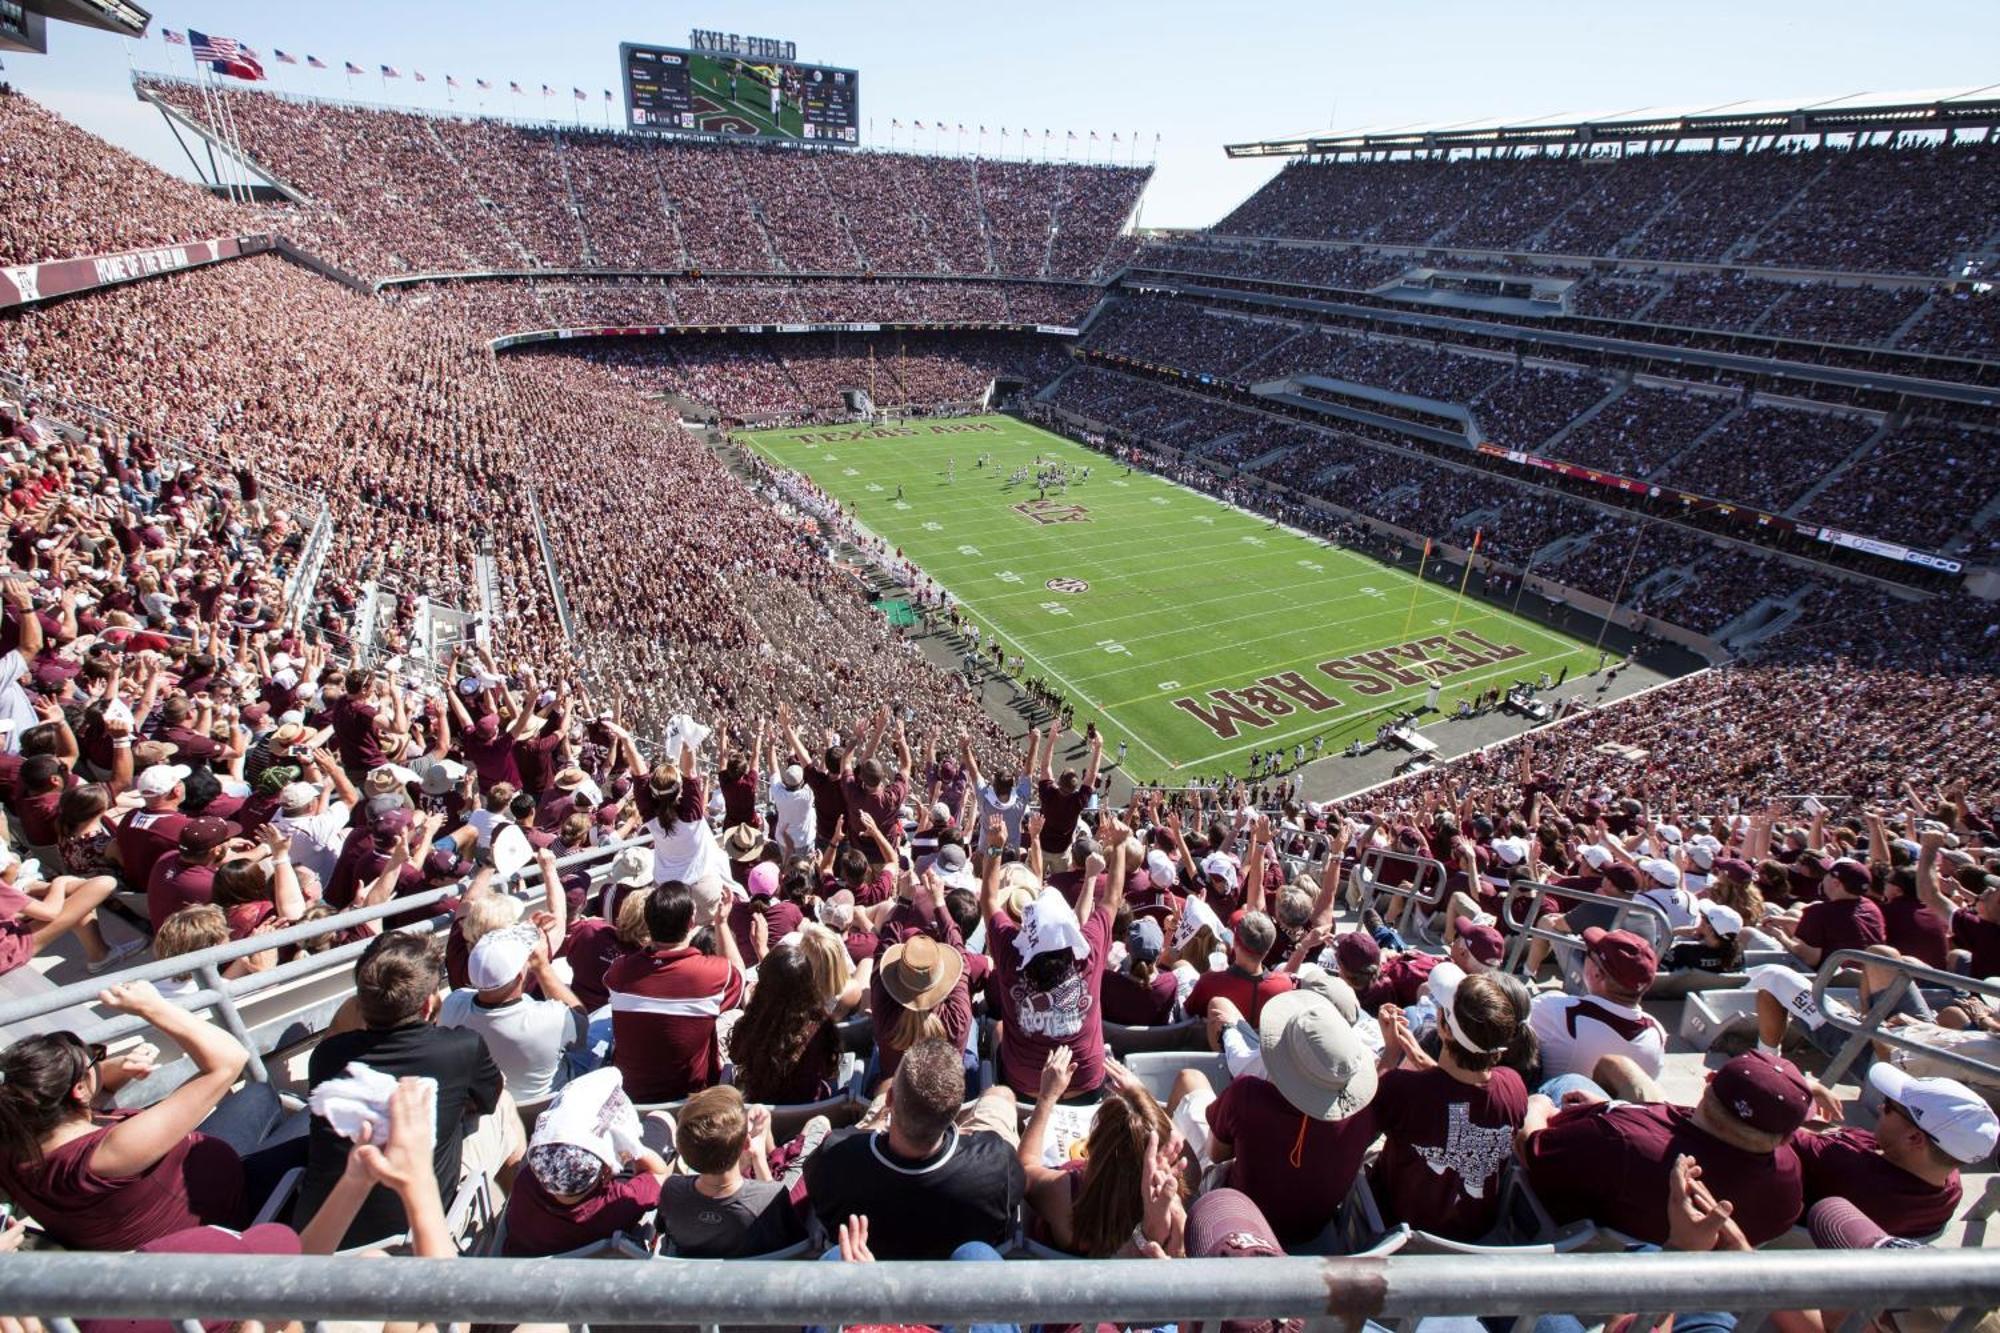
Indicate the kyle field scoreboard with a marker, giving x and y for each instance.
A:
(672, 90)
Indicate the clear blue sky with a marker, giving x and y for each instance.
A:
(1197, 74)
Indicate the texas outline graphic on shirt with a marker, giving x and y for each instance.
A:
(1474, 1151)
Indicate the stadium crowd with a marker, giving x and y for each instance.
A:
(854, 878)
(405, 192)
(1904, 209)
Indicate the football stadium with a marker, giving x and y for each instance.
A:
(633, 693)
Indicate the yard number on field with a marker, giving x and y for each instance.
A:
(1055, 608)
(1008, 576)
(1111, 645)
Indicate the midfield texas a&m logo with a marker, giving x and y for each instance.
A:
(1052, 511)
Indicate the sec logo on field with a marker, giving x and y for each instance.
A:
(1068, 585)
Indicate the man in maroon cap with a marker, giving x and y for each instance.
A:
(1476, 948)
(186, 875)
(1844, 918)
(1610, 1162)
(1578, 1032)
(367, 852)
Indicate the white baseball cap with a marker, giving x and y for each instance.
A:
(1955, 1117)
(161, 779)
(499, 956)
(1721, 917)
(1664, 873)
(793, 777)
(1598, 857)
(1511, 851)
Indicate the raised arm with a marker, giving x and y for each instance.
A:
(138, 1142)
(1096, 761)
(1047, 771)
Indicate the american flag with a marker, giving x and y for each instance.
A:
(173, 38)
(391, 72)
(607, 94)
(576, 92)
(483, 85)
(314, 62)
(548, 91)
(419, 75)
(284, 59)
(514, 87)
(225, 55)
(353, 68)
(450, 81)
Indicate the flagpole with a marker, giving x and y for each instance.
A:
(1467, 577)
(1416, 588)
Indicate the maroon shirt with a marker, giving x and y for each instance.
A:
(1447, 1143)
(354, 733)
(1232, 983)
(1295, 1167)
(1036, 1023)
(143, 838)
(784, 918)
(884, 805)
(1917, 930)
(1610, 1162)
(1980, 938)
(174, 885)
(664, 1003)
(538, 1224)
(1135, 1005)
(1847, 1164)
(198, 1183)
(492, 757)
(1060, 812)
(1846, 923)
(1400, 982)
(591, 948)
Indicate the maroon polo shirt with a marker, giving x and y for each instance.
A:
(1846, 923)
(175, 884)
(1609, 1162)
(1848, 1164)
(664, 1003)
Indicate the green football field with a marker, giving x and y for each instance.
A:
(1193, 631)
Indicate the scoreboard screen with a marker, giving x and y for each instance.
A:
(672, 90)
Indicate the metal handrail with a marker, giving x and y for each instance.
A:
(754, 1292)
(1522, 927)
(1365, 880)
(207, 964)
(1869, 1028)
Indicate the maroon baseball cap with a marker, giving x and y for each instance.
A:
(1357, 951)
(1484, 943)
(205, 835)
(1852, 875)
(1813, 864)
(1735, 868)
(1227, 1224)
(1625, 958)
(1765, 1093)
(446, 865)
(1621, 876)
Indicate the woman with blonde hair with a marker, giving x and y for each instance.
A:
(1124, 1184)
(842, 986)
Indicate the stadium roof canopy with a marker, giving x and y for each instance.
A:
(1924, 110)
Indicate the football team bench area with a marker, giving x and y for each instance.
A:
(1194, 632)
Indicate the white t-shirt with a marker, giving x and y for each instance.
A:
(1576, 1031)
(526, 1037)
(688, 854)
(316, 839)
(15, 706)
(1012, 811)
(796, 819)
